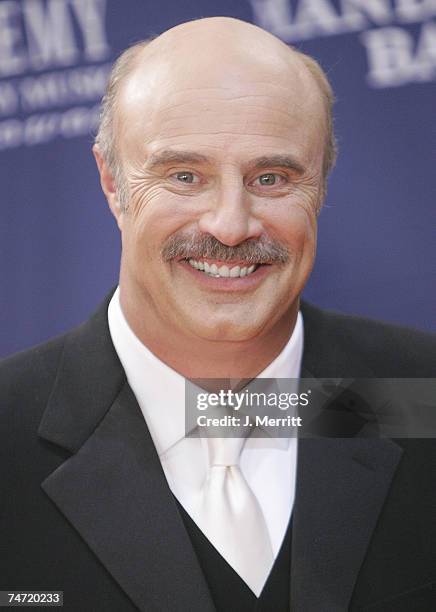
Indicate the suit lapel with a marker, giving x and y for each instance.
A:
(112, 489)
(341, 487)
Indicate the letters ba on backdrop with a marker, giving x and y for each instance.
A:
(398, 36)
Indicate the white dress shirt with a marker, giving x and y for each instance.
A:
(268, 464)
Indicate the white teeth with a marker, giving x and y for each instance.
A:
(223, 271)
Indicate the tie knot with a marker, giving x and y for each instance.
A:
(224, 451)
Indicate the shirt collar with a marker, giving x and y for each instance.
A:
(160, 390)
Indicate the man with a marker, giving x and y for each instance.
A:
(213, 151)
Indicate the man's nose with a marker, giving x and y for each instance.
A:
(230, 217)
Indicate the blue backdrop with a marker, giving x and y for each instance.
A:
(59, 244)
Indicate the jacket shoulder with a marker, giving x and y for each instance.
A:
(389, 350)
(27, 377)
(36, 368)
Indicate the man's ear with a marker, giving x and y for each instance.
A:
(108, 186)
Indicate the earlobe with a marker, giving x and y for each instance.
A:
(108, 185)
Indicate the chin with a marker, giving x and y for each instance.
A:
(228, 331)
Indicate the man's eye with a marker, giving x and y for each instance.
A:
(269, 179)
(185, 177)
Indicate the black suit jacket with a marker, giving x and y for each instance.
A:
(85, 506)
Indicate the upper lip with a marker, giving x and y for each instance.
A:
(221, 262)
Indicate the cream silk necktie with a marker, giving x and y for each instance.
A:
(231, 517)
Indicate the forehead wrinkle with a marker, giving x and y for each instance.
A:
(253, 110)
(174, 92)
(262, 109)
(243, 128)
(165, 112)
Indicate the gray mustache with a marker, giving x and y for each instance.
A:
(198, 246)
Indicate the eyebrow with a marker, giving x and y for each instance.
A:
(169, 156)
(274, 161)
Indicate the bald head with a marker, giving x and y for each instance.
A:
(219, 42)
(215, 54)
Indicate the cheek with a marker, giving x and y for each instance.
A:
(155, 214)
(293, 225)
(303, 228)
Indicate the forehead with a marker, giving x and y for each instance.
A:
(234, 106)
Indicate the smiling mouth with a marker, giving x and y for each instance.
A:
(223, 271)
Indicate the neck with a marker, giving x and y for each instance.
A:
(206, 358)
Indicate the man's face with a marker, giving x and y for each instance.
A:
(224, 172)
